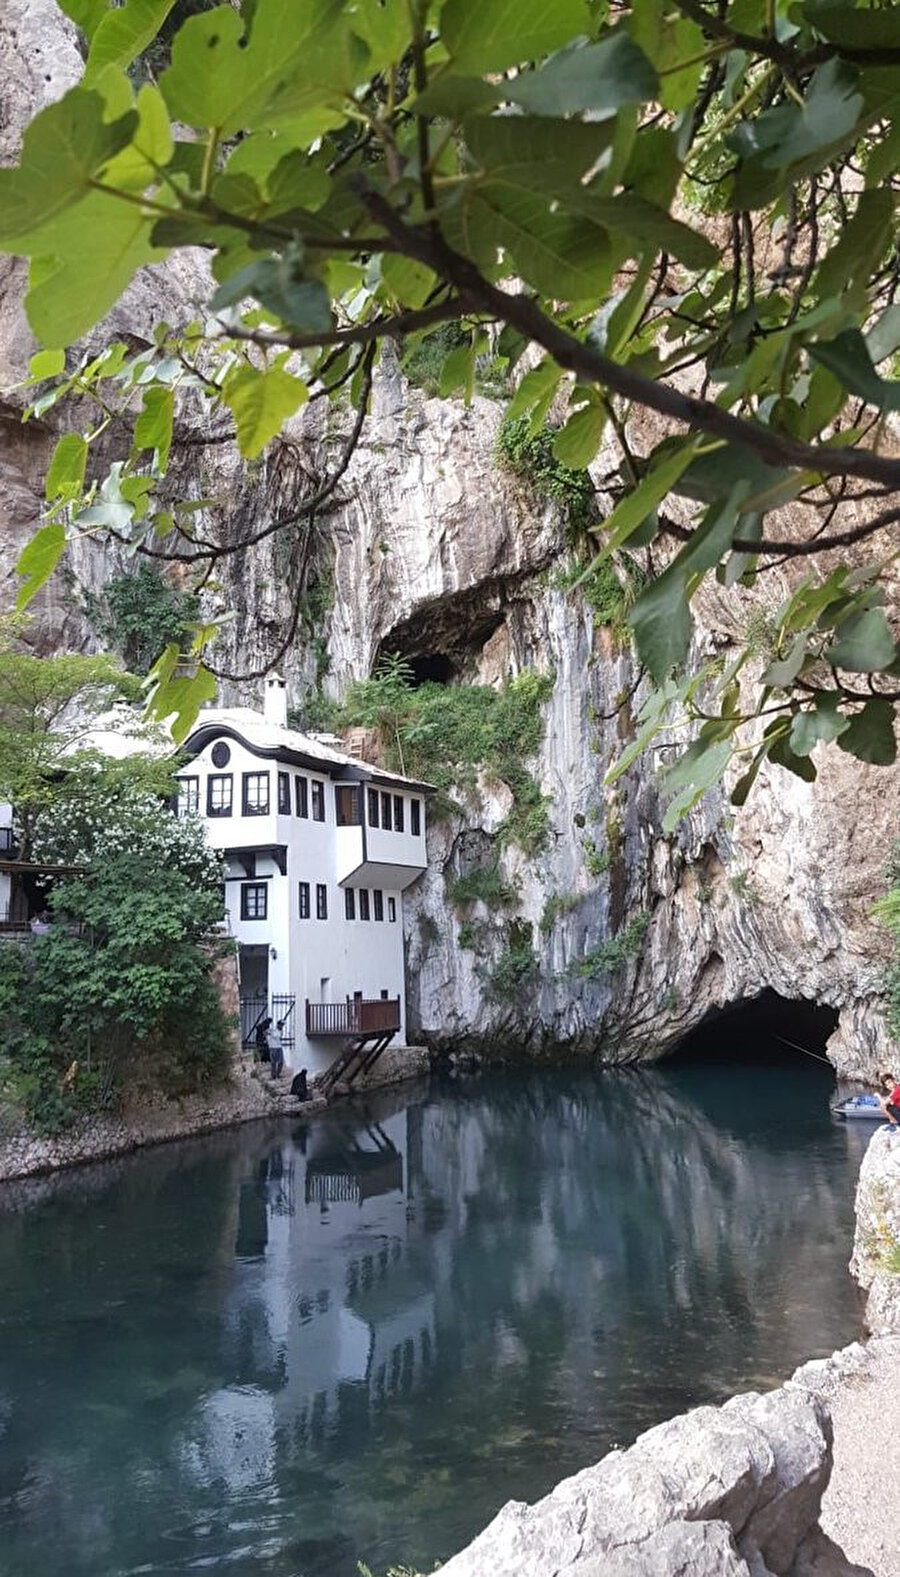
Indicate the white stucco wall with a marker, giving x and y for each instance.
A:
(317, 959)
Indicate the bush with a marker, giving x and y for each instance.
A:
(485, 884)
(613, 953)
(118, 990)
(447, 734)
(516, 968)
(530, 455)
(138, 613)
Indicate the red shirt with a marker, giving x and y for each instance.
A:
(894, 1097)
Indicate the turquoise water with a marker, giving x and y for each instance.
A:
(284, 1349)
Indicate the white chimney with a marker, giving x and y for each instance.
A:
(275, 701)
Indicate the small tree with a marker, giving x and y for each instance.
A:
(119, 989)
(47, 707)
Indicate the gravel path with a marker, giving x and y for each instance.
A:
(860, 1507)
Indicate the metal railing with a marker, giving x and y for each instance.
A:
(360, 1016)
(6, 840)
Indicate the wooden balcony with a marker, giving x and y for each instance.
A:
(361, 1016)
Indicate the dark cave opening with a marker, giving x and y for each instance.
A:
(433, 668)
(761, 1031)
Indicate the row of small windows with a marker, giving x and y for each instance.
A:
(255, 902)
(384, 810)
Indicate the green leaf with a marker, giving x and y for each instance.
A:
(123, 33)
(780, 751)
(175, 697)
(47, 364)
(409, 282)
(667, 39)
(137, 166)
(782, 672)
(539, 155)
(563, 256)
(821, 724)
(661, 620)
(643, 220)
(261, 402)
(536, 391)
(65, 148)
(217, 79)
(576, 444)
(634, 508)
(153, 428)
(69, 292)
(791, 133)
(860, 245)
(65, 476)
(279, 285)
(848, 358)
(864, 643)
(598, 77)
(38, 559)
(458, 371)
(871, 734)
(692, 775)
(883, 338)
(855, 27)
(484, 38)
(86, 14)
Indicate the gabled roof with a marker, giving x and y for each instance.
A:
(273, 741)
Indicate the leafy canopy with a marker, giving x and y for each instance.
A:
(687, 209)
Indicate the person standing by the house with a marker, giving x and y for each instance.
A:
(276, 1048)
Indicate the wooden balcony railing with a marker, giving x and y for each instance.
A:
(361, 1016)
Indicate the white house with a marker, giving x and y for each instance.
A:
(318, 849)
(7, 848)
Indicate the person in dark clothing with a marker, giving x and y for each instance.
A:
(262, 1039)
(299, 1086)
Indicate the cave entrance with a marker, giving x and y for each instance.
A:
(432, 668)
(761, 1031)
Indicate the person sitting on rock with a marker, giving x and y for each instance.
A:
(890, 1101)
(299, 1086)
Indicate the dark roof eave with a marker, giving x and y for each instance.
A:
(338, 771)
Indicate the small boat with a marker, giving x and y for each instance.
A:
(867, 1107)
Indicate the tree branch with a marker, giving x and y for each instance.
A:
(479, 295)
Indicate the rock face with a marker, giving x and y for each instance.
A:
(431, 550)
(719, 1492)
(876, 1249)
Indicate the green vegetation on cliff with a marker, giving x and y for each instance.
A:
(455, 735)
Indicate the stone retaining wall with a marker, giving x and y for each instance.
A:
(249, 1094)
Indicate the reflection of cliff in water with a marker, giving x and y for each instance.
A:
(364, 1336)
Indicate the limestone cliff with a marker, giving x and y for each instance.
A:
(433, 551)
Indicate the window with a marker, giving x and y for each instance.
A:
(349, 904)
(364, 903)
(398, 812)
(318, 800)
(346, 806)
(392, 909)
(188, 796)
(415, 817)
(386, 812)
(321, 901)
(221, 755)
(218, 794)
(284, 794)
(254, 896)
(304, 900)
(384, 995)
(256, 793)
(373, 807)
(301, 796)
(378, 904)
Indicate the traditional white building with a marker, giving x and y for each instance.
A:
(319, 848)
